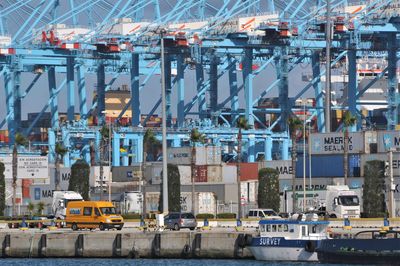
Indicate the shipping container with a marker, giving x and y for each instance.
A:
(152, 172)
(185, 174)
(248, 171)
(205, 202)
(333, 143)
(214, 174)
(208, 155)
(388, 140)
(229, 174)
(284, 167)
(200, 173)
(127, 173)
(328, 166)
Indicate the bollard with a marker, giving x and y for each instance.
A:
(23, 226)
(142, 225)
(347, 225)
(239, 226)
(386, 225)
(52, 226)
(206, 225)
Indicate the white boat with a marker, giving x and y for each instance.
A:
(289, 240)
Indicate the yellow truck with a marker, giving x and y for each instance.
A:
(92, 214)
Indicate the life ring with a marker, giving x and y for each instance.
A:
(310, 246)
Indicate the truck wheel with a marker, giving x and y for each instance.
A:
(332, 216)
(102, 227)
(74, 227)
(176, 227)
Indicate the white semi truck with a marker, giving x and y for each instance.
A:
(337, 201)
(60, 201)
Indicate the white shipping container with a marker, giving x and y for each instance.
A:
(209, 155)
(206, 202)
(388, 139)
(185, 173)
(152, 172)
(284, 167)
(253, 191)
(333, 143)
(229, 174)
(214, 174)
(95, 180)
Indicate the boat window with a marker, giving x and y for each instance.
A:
(314, 229)
(274, 228)
(303, 230)
(285, 228)
(260, 214)
(268, 228)
(262, 227)
(280, 228)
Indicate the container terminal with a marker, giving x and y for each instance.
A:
(93, 77)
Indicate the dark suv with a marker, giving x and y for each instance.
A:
(176, 221)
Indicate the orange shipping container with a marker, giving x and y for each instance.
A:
(200, 173)
(248, 171)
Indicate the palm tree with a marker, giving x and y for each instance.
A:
(150, 145)
(20, 140)
(31, 208)
(195, 137)
(348, 121)
(60, 151)
(295, 124)
(241, 124)
(40, 207)
(104, 132)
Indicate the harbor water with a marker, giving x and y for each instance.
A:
(145, 262)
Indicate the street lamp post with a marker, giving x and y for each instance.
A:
(109, 160)
(164, 127)
(304, 156)
(309, 150)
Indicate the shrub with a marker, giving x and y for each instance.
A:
(205, 216)
(373, 191)
(131, 216)
(174, 190)
(226, 215)
(268, 189)
(79, 181)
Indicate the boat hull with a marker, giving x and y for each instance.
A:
(360, 251)
(281, 249)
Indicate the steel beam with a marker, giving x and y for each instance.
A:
(82, 93)
(248, 84)
(233, 88)
(181, 91)
(51, 74)
(282, 67)
(135, 96)
(101, 103)
(201, 95)
(352, 85)
(9, 91)
(213, 80)
(392, 113)
(319, 97)
(70, 88)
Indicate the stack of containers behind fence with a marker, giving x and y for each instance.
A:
(207, 163)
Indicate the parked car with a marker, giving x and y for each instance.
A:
(263, 214)
(176, 221)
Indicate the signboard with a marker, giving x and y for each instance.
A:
(284, 167)
(28, 166)
(333, 143)
(33, 167)
(388, 140)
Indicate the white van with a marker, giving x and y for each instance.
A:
(263, 214)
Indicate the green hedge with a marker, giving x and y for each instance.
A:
(205, 216)
(226, 215)
(131, 216)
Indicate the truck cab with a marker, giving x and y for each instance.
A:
(341, 202)
(61, 200)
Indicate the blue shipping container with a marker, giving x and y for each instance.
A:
(328, 166)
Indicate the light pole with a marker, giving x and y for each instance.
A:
(304, 156)
(309, 150)
(164, 127)
(109, 160)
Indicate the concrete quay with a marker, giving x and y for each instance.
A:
(115, 244)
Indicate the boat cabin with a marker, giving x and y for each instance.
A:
(294, 229)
